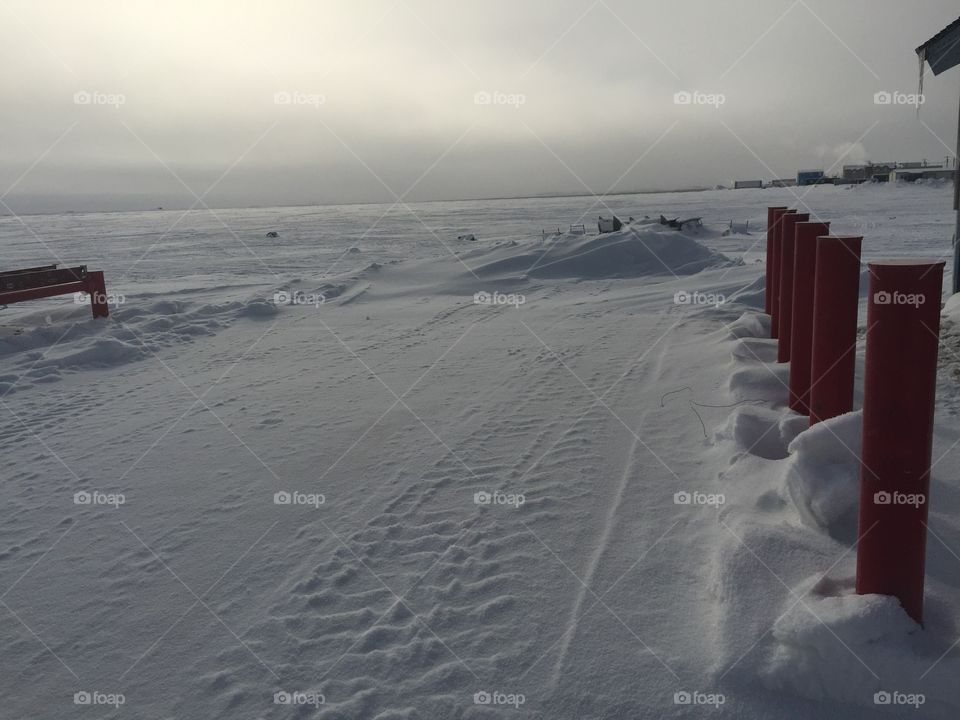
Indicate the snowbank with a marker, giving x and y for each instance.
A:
(632, 252)
(44, 345)
(783, 571)
(823, 475)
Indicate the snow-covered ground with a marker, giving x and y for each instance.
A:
(569, 496)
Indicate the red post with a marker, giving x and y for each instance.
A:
(785, 312)
(97, 289)
(903, 329)
(773, 217)
(836, 302)
(775, 279)
(801, 326)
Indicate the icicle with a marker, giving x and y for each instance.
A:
(922, 54)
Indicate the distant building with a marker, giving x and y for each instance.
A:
(912, 174)
(883, 171)
(867, 171)
(740, 184)
(809, 177)
(783, 182)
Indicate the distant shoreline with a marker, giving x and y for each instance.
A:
(572, 195)
(557, 196)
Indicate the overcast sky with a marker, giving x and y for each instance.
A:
(127, 104)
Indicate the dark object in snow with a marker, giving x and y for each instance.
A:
(677, 224)
(273, 234)
(470, 238)
(605, 225)
(740, 228)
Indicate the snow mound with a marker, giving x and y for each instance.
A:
(806, 660)
(822, 475)
(632, 252)
(884, 658)
(760, 431)
(751, 295)
(100, 353)
(951, 309)
(750, 325)
(297, 292)
(45, 345)
(257, 309)
(763, 382)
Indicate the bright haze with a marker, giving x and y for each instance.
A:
(132, 104)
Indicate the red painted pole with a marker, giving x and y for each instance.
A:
(785, 313)
(801, 326)
(773, 216)
(97, 289)
(836, 302)
(903, 328)
(775, 279)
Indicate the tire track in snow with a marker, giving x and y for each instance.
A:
(603, 541)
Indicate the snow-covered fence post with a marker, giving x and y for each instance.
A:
(801, 327)
(903, 337)
(788, 236)
(836, 300)
(775, 275)
(773, 217)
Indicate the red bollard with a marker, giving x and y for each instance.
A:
(836, 302)
(97, 289)
(903, 337)
(788, 243)
(775, 279)
(773, 216)
(801, 326)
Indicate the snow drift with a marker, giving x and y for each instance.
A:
(636, 251)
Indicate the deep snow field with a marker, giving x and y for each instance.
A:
(571, 496)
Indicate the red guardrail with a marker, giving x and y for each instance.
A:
(49, 281)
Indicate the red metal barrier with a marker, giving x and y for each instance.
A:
(775, 279)
(903, 328)
(836, 300)
(785, 312)
(801, 326)
(48, 281)
(773, 216)
(97, 289)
